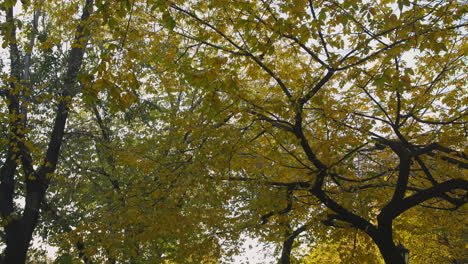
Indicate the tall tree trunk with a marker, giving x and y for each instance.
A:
(19, 233)
(20, 228)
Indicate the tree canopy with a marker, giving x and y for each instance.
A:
(157, 131)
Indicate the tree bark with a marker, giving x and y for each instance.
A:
(286, 251)
(288, 245)
(19, 229)
(388, 249)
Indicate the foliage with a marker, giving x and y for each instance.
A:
(337, 126)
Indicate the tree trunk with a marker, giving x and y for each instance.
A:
(389, 251)
(19, 228)
(286, 251)
(20, 231)
(288, 245)
(15, 251)
(17, 243)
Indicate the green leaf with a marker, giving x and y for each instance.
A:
(168, 21)
(322, 16)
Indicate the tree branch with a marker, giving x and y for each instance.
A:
(438, 190)
(253, 57)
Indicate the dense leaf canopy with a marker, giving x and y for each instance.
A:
(156, 131)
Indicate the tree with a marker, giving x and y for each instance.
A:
(359, 104)
(91, 91)
(191, 122)
(21, 168)
(143, 203)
